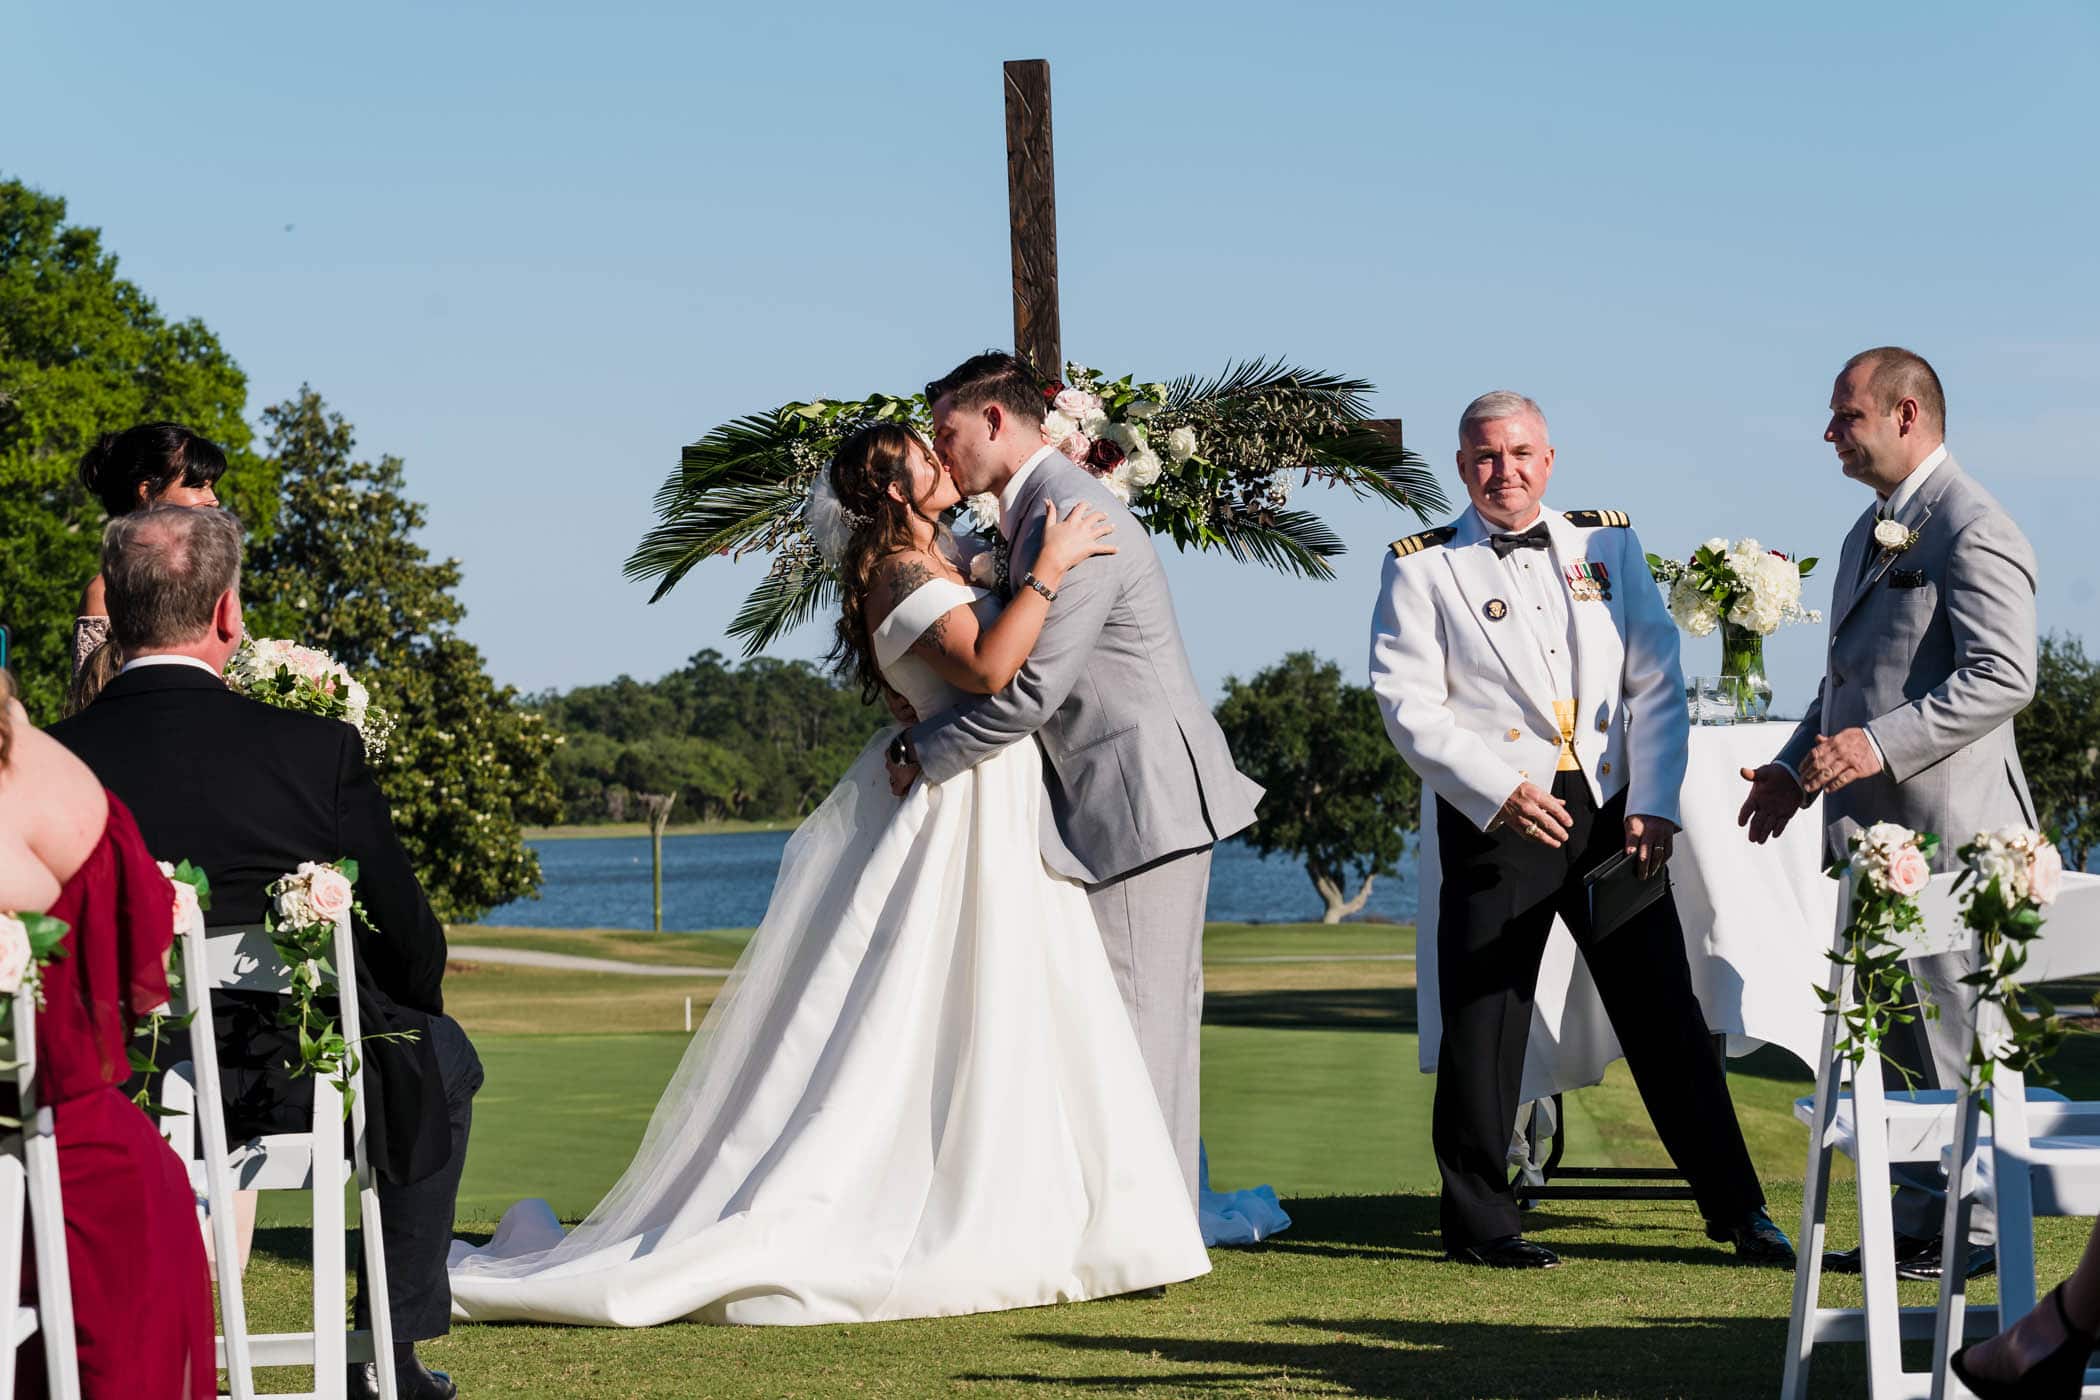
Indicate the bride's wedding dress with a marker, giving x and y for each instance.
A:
(918, 1095)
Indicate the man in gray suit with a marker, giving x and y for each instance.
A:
(1138, 781)
(1932, 654)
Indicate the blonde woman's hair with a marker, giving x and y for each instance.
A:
(7, 721)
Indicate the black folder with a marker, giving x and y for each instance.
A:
(1617, 892)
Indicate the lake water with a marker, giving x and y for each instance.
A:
(724, 881)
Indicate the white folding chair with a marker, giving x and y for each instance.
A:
(1878, 1127)
(2037, 1160)
(244, 959)
(29, 1180)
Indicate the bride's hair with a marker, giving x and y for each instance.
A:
(868, 464)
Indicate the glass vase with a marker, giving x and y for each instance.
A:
(1743, 658)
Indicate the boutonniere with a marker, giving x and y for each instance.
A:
(1894, 537)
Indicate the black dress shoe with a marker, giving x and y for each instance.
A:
(1846, 1261)
(1756, 1239)
(2059, 1374)
(411, 1380)
(1927, 1267)
(1508, 1252)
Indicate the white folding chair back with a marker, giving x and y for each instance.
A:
(29, 1183)
(2037, 1159)
(244, 959)
(1883, 1127)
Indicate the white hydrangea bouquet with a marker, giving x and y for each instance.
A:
(1742, 585)
(1746, 591)
(295, 677)
(2009, 876)
(1888, 868)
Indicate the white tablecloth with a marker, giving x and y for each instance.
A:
(1757, 926)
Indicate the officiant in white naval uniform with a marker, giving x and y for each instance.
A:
(1528, 672)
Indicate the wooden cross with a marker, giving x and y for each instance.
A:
(1031, 206)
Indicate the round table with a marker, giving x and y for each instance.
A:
(1757, 927)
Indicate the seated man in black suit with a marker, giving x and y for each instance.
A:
(248, 791)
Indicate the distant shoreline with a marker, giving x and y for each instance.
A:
(609, 829)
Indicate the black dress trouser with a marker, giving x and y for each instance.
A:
(1495, 910)
(416, 1219)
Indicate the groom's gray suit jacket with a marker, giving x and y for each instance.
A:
(1933, 653)
(1135, 767)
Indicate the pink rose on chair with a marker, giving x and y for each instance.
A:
(2045, 872)
(328, 894)
(15, 954)
(1908, 872)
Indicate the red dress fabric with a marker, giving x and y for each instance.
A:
(142, 1304)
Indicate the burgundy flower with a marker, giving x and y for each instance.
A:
(1052, 390)
(1105, 456)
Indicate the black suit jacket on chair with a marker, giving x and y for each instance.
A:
(247, 791)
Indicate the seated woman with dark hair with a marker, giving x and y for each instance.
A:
(142, 1310)
(149, 464)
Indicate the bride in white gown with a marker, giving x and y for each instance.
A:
(919, 1093)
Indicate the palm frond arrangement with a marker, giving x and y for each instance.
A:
(1210, 464)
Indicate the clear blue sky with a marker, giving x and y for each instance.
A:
(536, 248)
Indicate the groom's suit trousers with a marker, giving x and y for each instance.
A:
(1496, 907)
(1151, 923)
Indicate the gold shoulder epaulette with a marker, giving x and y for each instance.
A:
(1591, 519)
(1415, 544)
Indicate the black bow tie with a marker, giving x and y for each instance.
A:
(1536, 537)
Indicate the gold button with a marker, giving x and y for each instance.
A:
(1604, 768)
(1516, 733)
(1602, 724)
(1524, 772)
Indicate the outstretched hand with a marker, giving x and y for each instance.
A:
(1773, 800)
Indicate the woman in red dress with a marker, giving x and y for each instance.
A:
(141, 1295)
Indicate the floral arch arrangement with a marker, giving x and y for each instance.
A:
(1211, 464)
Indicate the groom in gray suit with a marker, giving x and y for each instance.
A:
(1138, 781)
(1932, 654)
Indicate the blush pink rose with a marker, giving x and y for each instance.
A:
(1908, 872)
(1076, 445)
(328, 894)
(1076, 404)
(15, 954)
(2045, 873)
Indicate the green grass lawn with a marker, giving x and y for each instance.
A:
(1309, 1084)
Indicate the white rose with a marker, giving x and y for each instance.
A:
(1094, 424)
(2007, 867)
(1145, 467)
(1889, 534)
(15, 956)
(983, 510)
(1717, 545)
(1181, 445)
(1117, 487)
(1058, 426)
(1128, 436)
(1142, 410)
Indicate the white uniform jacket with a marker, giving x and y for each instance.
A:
(1468, 700)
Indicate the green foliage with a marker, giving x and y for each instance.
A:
(760, 740)
(2059, 738)
(84, 352)
(466, 768)
(1340, 798)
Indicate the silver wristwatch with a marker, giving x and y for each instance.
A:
(1030, 580)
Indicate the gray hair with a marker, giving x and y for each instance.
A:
(1498, 404)
(163, 571)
